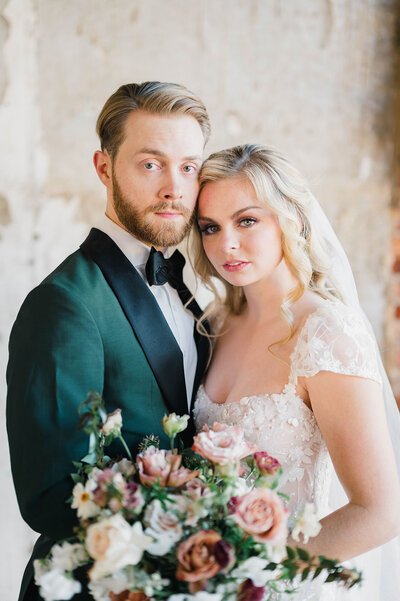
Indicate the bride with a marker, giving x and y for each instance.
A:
(295, 362)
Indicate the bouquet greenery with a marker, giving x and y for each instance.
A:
(183, 526)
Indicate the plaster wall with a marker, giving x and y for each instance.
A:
(312, 78)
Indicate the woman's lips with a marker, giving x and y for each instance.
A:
(235, 265)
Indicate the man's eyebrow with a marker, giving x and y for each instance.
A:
(160, 153)
(234, 215)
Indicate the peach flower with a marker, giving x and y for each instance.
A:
(262, 514)
(197, 559)
(222, 444)
(162, 467)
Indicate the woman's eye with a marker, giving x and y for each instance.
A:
(247, 221)
(208, 229)
(150, 166)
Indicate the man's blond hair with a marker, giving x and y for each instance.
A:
(151, 96)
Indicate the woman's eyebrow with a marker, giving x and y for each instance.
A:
(234, 215)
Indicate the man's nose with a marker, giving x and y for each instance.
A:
(171, 188)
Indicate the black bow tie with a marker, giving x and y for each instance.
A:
(160, 270)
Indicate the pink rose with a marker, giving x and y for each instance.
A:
(262, 514)
(267, 465)
(223, 444)
(162, 467)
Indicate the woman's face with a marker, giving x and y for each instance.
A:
(241, 237)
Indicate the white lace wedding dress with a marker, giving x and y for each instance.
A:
(334, 338)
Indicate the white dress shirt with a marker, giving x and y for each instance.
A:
(179, 319)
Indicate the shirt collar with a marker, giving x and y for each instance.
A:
(136, 251)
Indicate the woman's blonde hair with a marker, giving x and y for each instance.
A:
(285, 193)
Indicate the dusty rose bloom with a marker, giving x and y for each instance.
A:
(196, 489)
(197, 559)
(267, 465)
(262, 514)
(222, 444)
(163, 467)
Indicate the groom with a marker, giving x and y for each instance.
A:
(110, 318)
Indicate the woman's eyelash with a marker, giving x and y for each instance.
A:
(250, 219)
(205, 229)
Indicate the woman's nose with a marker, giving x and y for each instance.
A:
(228, 242)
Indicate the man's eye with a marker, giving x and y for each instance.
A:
(247, 221)
(189, 168)
(150, 166)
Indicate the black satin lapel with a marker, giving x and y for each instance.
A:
(145, 316)
(203, 354)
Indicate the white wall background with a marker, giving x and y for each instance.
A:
(312, 77)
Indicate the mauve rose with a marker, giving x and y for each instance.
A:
(222, 444)
(249, 592)
(262, 514)
(267, 465)
(162, 467)
(197, 560)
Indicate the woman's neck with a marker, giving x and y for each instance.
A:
(264, 298)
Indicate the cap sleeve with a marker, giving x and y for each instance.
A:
(335, 338)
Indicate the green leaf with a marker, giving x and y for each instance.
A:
(90, 458)
(290, 552)
(305, 574)
(317, 573)
(302, 553)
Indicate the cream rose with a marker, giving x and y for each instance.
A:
(114, 544)
(262, 514)
(222, 444)
(113, 423)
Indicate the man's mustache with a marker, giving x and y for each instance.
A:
(170, 206)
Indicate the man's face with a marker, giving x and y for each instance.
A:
(155, 177)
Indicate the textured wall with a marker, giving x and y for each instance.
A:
(313, 78)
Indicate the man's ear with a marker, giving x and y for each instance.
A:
(102, 164)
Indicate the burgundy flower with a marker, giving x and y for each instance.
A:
(267, 465)
(224, 555)
(249, 592)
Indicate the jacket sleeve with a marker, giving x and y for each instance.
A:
(56, 357)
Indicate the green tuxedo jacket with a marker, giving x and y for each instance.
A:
(91, 325)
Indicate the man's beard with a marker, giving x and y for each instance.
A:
(139, 224)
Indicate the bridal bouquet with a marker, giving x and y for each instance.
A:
(183, 526)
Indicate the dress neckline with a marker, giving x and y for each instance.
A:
(290, 385)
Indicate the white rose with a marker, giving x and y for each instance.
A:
(83, 500)
(306, 524)
(163, 526)
(113, 423)
(54, 586)
(67, 557)
(254, 568)
(116, 583)
(125, 467)
(114, 544)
